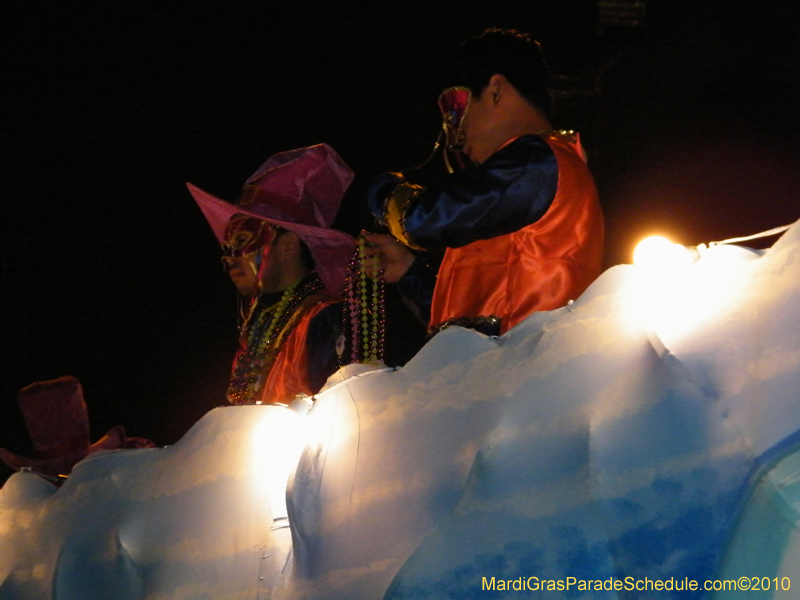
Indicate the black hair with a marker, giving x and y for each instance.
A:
(507, 52)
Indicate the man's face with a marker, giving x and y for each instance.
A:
(479, 144)
(243, 271)
(246, 251)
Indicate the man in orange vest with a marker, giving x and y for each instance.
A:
(288, 266)
(521, 226)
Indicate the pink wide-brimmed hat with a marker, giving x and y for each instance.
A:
(301, 191)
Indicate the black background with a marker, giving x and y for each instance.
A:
(111, 274)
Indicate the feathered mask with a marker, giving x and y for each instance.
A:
(454, 105)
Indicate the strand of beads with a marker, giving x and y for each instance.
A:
(363, 304)
(263, 337)
(281, 309)
(377, 314)
(366, 306)
(381, 345)
(290, 300)
(352, 280)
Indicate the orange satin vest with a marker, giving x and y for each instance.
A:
(539, 267)
(288, 375)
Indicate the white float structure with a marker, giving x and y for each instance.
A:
(649, 431)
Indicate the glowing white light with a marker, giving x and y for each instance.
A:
(657, 253)
(672, 298)
(277, 442)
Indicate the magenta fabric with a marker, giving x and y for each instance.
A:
(55, 416)
(58, 422)
(300, 190)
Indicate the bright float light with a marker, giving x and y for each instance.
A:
(277, 442)
(658, 254)
(661, 297)
(674, 292)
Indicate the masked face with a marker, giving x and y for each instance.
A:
(245, 250)
(454, 104)
(245, 235)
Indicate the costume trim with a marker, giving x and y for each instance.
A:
(487, 325)
(399, 201)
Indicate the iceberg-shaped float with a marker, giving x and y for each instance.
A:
(647, 432)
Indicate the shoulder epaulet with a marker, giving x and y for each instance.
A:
(566, 135)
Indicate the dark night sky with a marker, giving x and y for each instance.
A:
(109, 270)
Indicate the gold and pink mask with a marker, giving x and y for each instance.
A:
(245, 235)
(454, 105)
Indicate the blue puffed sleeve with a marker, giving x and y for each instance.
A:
(379, 189)
(511, 189)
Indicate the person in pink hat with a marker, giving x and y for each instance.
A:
(288, 266)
